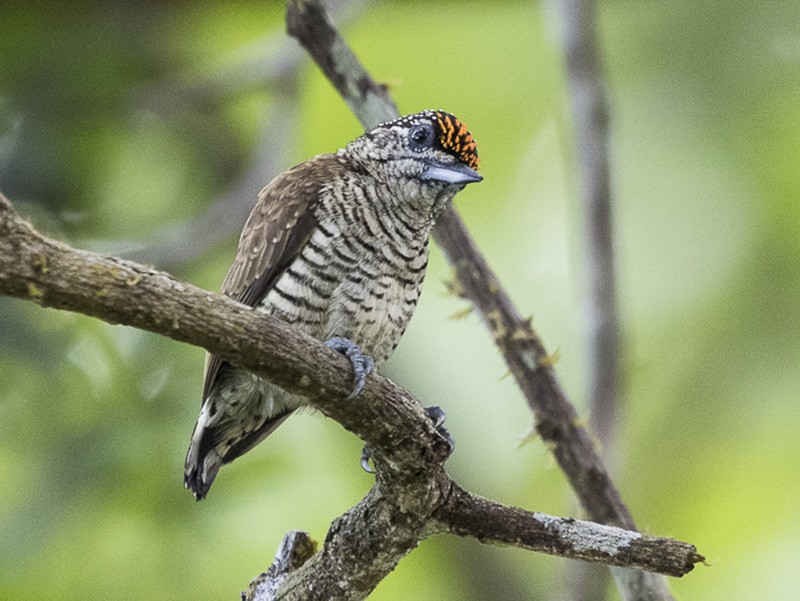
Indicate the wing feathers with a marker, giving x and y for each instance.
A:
(279, 226)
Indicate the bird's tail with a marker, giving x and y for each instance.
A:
(213, 446)
(202, 463)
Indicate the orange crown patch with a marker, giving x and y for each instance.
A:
(455, 137)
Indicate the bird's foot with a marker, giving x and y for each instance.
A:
(366, 455)
(437, 416)
(362, 364)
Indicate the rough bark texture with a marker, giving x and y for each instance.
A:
(413, 496)
(490, 522)
(52, 274)
(311, 24)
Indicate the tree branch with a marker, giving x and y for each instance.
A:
(466, 514)
(309, 22)
(590, 117)
(52, 274)
(296, 549)
(590, 114)
(411, 487)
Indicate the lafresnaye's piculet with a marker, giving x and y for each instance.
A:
(336, 246)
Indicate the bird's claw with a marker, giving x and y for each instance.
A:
(362, 364)
(437, 416)
(366, 455)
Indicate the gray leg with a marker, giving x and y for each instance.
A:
(437, 416)
(362, 364)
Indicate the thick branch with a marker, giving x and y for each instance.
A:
(361, 548)
(296, 549)
(353, 561)
(52, 274)
(367, 542)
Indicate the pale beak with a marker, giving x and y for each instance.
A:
(458, 173)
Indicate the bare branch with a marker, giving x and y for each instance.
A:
(591, 117)
(350, 564)
(590, 113)
(52, 274)
(366, 543)
(309, 22)
(296, 549)
(469, 515)
(361, 548)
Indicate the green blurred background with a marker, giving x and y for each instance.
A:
(107, 138)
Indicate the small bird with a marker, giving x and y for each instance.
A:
(337, 247)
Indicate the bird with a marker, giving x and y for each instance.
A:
(336, 246)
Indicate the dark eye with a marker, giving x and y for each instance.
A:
(421, 137)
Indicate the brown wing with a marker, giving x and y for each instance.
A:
(278, 227)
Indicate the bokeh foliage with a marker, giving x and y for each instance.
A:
(94, 419)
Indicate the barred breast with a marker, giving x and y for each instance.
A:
(336, 246)
(359, 276)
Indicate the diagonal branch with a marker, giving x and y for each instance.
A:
(310, 23)
(413, 496)
(52, 274)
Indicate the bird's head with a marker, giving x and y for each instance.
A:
(430, 150)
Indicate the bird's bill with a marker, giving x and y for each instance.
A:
(458, 173)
